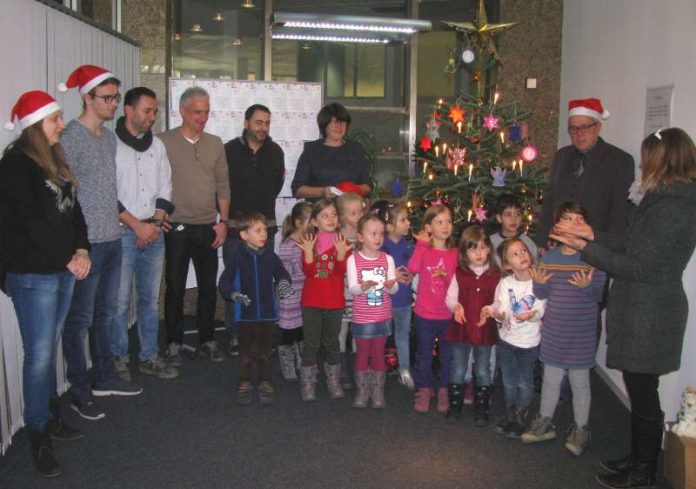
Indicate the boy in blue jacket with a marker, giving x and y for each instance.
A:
(253, 278)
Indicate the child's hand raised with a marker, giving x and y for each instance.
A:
(422, 235)
(582, 278)
(403, 276)
(342, 246)
(388, 284)
(459, 314)
(539, 275)
(306, 243)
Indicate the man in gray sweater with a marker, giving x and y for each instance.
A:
(90, 149)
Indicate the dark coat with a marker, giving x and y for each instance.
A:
(602, 189)
(647, 307)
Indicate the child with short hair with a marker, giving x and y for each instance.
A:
(324, 265)
(351, 207)
(573, 289)
(519, 313)
(253, 275)
(472, 287)
(295, 225)
(508, 213)
(372, 280)
(434, 260)
(395, 218)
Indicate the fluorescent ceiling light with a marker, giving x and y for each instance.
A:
(310, 37)
(319, 26)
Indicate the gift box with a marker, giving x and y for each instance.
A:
(680, 460)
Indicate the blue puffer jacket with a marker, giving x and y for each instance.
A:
(254, 273)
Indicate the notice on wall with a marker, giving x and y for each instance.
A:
(658, 108)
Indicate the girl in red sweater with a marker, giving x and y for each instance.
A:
(472, 288)
(324, 265)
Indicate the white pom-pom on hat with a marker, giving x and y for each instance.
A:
(9, 125)
(62, 87)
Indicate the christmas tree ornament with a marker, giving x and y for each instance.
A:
(498, 175)
(475, 139)
(433, 129)
(456, 114)
(529, 153)
(426, 143)
(481, 214)
(446, 200)
(540, 196)
(515, 133)
(491, 122)
(397, 189)
(455, 157)
(468, 56)
(476, 76)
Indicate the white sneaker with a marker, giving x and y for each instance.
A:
(406, 379)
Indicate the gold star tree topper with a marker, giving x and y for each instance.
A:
(480, 32)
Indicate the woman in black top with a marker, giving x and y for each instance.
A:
(331, 161)
(647, 307)
(44, 250)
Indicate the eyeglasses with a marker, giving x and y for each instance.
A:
(582, 128)
(109, 98)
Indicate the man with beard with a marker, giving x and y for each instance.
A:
(256, 167)
(144, 191)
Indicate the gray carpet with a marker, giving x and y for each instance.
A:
(189, 433)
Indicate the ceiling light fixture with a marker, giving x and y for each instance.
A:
(196, 28)
(177, 36)
(219, 17)
(237, 41)
(248, 4)
(310, 37)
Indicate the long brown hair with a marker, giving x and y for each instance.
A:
(667, 157)
(34, 143)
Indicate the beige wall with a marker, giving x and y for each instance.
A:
(532, 49)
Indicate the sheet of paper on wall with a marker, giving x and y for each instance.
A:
(658, 108)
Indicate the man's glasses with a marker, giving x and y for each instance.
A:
(582, 128)
(109, 98)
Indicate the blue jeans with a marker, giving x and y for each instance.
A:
(460, 363)
(426, 332)
(41, 302)
(93, 309)
(145, 265)
(517, 366)
(401, 324)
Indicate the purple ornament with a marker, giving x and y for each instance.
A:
(397, 189)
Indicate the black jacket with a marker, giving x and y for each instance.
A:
(254, 273)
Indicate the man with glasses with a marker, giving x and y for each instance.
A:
(90, 149)
(200, 190)
(590, 172)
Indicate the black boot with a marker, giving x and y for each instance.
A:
(482, 399)
(42, 453)
(504, 424)
(641, 474)
(623, 464)
(57, 427)
(456, 401)
(346, 371)
(518, 424)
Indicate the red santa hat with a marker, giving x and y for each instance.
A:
(591, 107)
(86, 77)
(31, 108)
(350, 188)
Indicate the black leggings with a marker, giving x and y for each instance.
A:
(643, 394)
(290, 336)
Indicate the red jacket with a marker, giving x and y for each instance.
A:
(474, 293)
(325, 281)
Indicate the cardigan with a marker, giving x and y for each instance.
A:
(473, 292)
(647, 306)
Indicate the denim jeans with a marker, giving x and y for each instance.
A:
(93, 309)
(426, 332)
(41, 302)
(145, 265)
(517, 366)
(185, 243)
(460, 363)
(401, 328)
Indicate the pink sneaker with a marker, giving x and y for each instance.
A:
(442, 400)
(421, 400)
(469, 393)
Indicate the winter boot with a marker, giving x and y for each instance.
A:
(641, 473)
(363, 386)
(482, 406)
(442, 400)
(456, 400)
(624, 463)
(469, 393)
(505, 423)
(518, 424)
(308, 383)
(378, 380)
(333, 381)
(42, 453)
(57, 427)
(346, 383)
(286, 355)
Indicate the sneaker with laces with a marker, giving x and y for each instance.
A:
(577, 440)
(244, 393)
(233, 350)
(406, 379)
(541, 430)
(159, 368)
(122, 368)
(87, 410)
(265, 392)
(63, 432)
(173, 356)
(116, 386)
(211, 351)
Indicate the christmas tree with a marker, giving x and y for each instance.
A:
(476, 148)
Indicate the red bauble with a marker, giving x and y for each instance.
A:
(390, 358)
